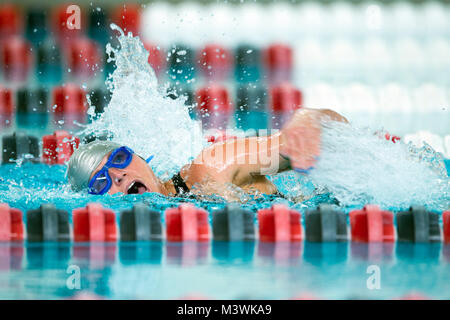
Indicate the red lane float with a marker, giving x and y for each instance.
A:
(372, 225)
(214, 106)
(304, 296)
(285, 99)
(215, 62)
(279, 223)
(214, 98)
(386, 135)
(58, 147)
(446, 223)
(219, 136)
(187, 223)
(156, 57)
(6, 108)
(16, 59)
(194, 296)
(392, 138)
(68, 22)
(86, 295)
(83, 58)
(94, 223)
(128, 17)
(413, 296)
(11, 223)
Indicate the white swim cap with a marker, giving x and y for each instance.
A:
(85, 160)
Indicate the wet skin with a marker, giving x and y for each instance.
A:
(296, 145)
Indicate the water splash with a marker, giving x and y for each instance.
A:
(358, 167)
(141, 115)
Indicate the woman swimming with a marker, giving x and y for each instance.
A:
(107, 167)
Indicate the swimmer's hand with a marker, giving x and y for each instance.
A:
(300, 137)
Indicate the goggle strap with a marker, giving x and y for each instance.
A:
(149, 159)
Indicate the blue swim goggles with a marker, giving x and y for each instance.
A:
(120, 158)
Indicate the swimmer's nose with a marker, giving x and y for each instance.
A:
(117, 176)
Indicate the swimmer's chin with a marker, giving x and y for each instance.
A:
(122, 194)
(135, 187)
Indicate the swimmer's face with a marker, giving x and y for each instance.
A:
(137, 177)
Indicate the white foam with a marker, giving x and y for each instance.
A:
(345, 17)
(312, 19)
(405, 18)
(141, 116)
(282, 22)
(321, 95)
(435, 18)
(252, 21)
(157, 23)
(395, 98)
(447, 146)
(358, 168)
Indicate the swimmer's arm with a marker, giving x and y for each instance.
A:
(300, 136)
(262, 157)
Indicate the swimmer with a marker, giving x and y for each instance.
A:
(102, 167)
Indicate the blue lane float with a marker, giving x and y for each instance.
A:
(233, 223)
(140, 224)
(325, 224)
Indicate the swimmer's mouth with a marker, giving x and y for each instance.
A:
(137, 187)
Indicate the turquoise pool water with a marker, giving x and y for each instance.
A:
(222, 270)
(217, 270)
